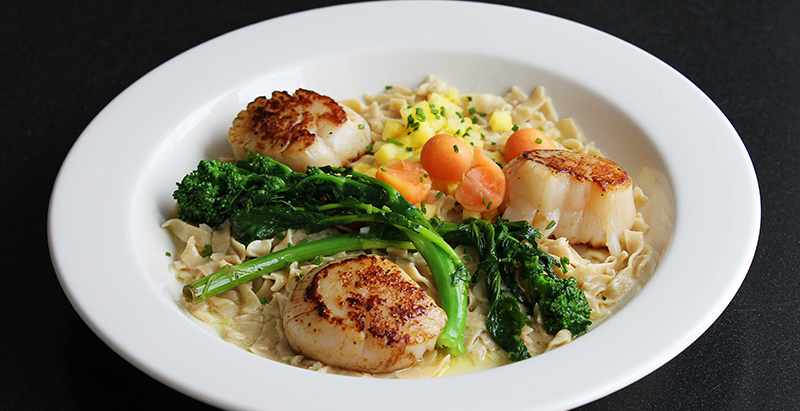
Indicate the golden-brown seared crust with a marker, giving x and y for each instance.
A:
(284, 120)
(363, 313)
(378, 298)
(583, 167)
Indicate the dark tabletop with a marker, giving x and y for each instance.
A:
(62, 62)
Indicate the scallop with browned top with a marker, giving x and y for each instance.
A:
(362, 313)
(589, 198)
(300, 130)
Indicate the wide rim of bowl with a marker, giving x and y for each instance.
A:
(627, 76)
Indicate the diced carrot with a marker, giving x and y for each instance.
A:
(483, 186)
(446, 157)
(408, 178)
(526, 139)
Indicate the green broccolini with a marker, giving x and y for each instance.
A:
(212, 192)
(262, 198)
(509, 255)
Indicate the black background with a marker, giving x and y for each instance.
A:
(62, 62)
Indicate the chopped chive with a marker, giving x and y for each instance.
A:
(395, 142)
(489, 206)
(515, 127)
(206, 250)
(538, 140)
(420, 114)
(262, 301)
(472, 111)
(551, 224)
(409, 149)
(318, 260)
(469, 98)
(564, 264)
(455, 148)
(370, 147)
(168, 254)
(475, 120)
(389, 87)
(360, 126)
(439, 194)
(483, 200)
(540, 128)
(423, 208)
(384, 169)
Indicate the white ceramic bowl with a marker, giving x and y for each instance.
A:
(114, 191)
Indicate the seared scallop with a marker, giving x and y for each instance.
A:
(300, 130)
(362, 313)
(588, 198)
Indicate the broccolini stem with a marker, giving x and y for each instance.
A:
(451, 279)
(449, 273)
(232, 276)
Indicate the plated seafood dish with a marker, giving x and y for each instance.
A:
(415, 232)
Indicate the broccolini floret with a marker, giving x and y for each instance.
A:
(510, 255)
(213, 191)
(262, 198)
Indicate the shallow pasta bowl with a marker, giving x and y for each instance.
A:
(641, 113)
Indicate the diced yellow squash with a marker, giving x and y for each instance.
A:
(419, 137)
(421, 113)
(501, 121)
(435, 119)
(430, 211)
(496, 156)
(446, 187)
(364, 168)
(393, 129)
(450, 108)
(472, 136)
(389, 152)
(457, 126)
(453, 94)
